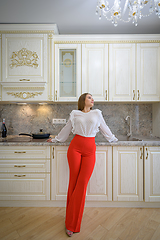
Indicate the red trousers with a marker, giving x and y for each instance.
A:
(81, 160)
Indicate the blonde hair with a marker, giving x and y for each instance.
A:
(81, 101)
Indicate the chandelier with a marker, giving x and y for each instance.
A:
(133, 7)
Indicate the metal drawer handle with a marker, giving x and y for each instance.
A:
(106, 95)
(19, 175)
(133, 94)
(24, 80)
(141, 153)
(19, 152)
(147, 153)
(138, 94)
(19, 166)
(53, 152)
(56, 95)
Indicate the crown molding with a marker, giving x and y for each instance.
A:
(29, 28)
(107, 38)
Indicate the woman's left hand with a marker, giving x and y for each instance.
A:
(50, 140)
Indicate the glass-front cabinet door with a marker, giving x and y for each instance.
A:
(67, 72)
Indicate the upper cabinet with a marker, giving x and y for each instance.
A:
(148, 71)
(67, 72)
(122, 72)
(133, 72)
(24, 57)
(95, 70)
(27, 62)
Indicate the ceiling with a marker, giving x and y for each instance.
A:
(71, 17)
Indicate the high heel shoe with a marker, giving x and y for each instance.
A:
(69, 233)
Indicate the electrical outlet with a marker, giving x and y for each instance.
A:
(59, 121)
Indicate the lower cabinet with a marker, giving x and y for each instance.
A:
(25, 186)
(60, 173)
(152, 174)
(25, 173)
(127, 173)
(121, 174)
(100, 184)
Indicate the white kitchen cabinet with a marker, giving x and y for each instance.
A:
(100, 184)
(24, 186)
(24, 173)
(152, 174)
(127, 173)
(122, 72)
(134, 72)
(60, 173)
(67, 72)
(148, 71)
(95, 70)
(24, 57)
(25, 67)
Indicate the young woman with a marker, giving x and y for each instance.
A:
(84, 123)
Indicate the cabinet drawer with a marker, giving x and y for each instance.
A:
(21, 152)
(24, 165)
(25, 186)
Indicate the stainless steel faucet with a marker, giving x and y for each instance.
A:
(130, 123)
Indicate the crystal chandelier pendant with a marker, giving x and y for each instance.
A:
(135, 7)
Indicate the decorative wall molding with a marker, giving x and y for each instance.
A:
(50, 36)
(24, 57)
(26, 31)
(24, 88)
(29, 28)
(24, 95)
(106, 41)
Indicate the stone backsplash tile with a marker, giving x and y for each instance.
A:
(31, 117)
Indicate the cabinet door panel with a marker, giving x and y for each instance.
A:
(67, 72)
(25, 186)
(95, 70)
(60, 174)
(24, 57)
(127, 174)
(148, 71)
(100, 184)
(24, 152)
(152, 171)
(24, 165)
(121, 72)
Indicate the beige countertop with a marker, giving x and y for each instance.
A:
(16, 140)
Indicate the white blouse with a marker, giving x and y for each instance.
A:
(86, 125)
